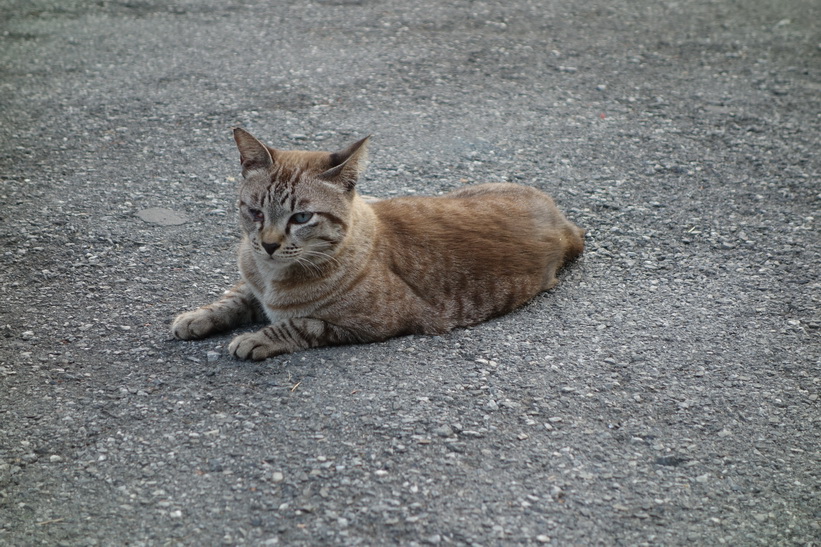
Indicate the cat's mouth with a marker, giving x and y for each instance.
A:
(280, 255)
(309, 258)
(275, 257)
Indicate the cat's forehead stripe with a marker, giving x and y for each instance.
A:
(294, 179)
(258, 197)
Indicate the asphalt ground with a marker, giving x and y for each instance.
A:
(665, 393)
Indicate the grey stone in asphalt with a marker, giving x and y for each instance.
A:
(161, 216)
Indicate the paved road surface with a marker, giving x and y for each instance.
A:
(666, 393)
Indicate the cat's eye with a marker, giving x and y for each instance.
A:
(256, 214)
(301, 218)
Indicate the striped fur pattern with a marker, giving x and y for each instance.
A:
(324, 267)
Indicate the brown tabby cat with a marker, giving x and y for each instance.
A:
(325, 267)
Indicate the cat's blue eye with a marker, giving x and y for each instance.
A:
(301, 218)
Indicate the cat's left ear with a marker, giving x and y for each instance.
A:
(252, 153)
(346, 165)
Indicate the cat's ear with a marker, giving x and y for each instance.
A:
(252, 153)
(346, 165)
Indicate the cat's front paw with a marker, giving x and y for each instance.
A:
(193, 325)
(255, 346)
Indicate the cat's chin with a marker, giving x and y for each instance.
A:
(266, 260)
(277, 263)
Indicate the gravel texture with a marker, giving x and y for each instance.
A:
(666, 393)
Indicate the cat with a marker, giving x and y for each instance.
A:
(325, 267)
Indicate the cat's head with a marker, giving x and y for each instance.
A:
(295, 205)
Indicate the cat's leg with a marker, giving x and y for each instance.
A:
(289, 336)
(237, 307)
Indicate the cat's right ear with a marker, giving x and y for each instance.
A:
(252, 153)
(347, 164)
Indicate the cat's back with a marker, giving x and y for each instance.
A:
(495, 214)
(477, 252)
(488, 231)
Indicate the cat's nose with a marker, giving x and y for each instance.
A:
(270, 247)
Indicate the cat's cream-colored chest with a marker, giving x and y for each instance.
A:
(281, 304)
(280, 299)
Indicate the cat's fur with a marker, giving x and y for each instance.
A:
(362, 272)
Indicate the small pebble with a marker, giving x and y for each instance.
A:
(161, 216)
(443, 431)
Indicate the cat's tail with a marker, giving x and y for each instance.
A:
(563, 249)
(575, 242)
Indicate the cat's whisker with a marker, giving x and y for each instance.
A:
(329, 258)
(308, 265)
(320, 269)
